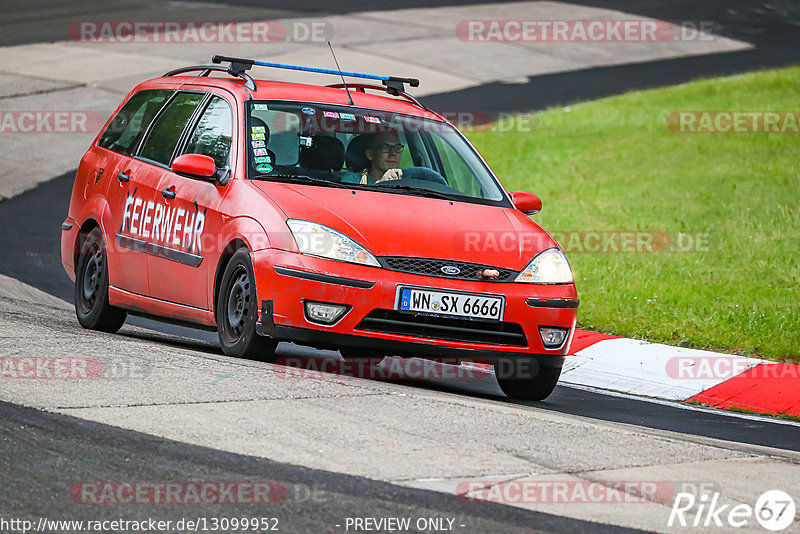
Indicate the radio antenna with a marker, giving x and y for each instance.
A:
(350, 98)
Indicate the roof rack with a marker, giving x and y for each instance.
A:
(394, 84)
(394, 92)
(205, 70)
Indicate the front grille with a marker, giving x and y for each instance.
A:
(446, 328)
(433, 267)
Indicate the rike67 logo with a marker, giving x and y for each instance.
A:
(774, 510)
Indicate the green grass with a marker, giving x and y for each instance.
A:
(739, 409)
(614, 165)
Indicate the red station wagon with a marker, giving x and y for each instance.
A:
(331, 217)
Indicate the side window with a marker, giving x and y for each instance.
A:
(459, 176)
(166, 131)
(212, 136)
(405, 157)
(128, 126)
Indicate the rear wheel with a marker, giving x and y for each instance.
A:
(237, 312)
(526, 379)
(91, 287)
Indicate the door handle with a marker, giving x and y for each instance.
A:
(122, 177)
(168, 193)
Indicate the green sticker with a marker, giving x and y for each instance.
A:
(260, 107)
(262, 159)
(264, 167)
(258, 137)
(258, 129)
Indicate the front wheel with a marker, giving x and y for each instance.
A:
(525, 379)
(237, 312)
(91, 287)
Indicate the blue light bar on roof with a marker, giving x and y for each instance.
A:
(245, 64)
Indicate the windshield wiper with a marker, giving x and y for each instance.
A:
(302, 179)
(420, 191)
(305, 179)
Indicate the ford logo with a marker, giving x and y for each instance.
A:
(450, 269)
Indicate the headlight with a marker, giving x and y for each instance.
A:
(317, 240)
(548, 267)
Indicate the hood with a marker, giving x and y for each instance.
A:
(394, 224)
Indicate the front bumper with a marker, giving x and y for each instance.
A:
(285, 280)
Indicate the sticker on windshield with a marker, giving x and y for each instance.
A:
(258, 129)
(305, 140)
(260, 107)
(260, 151)
(347, 116)
(376, 120)
(309, 111)
(258, 136)
(264, 167)
(263, 159)
(331, 114)
(258, 144)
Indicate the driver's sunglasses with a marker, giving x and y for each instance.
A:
(386, 148)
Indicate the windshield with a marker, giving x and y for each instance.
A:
(339, 146)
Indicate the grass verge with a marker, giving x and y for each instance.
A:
(738, 409)
(727, 205)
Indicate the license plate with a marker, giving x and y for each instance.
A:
(450, 303)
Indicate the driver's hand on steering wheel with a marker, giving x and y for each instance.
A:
(391, 174)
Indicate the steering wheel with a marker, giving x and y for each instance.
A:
(423, 173)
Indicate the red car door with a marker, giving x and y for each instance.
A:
(129, 186)
(182, 277)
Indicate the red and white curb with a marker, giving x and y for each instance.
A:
(673, 373)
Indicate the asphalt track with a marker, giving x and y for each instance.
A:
(32, 462)
(40, 212)
(771, 26)
(315, 500)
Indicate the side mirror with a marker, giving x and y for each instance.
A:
(195, 165)
(527, 203)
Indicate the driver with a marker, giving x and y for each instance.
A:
(383, 153)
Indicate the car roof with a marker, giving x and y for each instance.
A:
(296, 92)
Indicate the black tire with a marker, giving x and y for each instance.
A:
(526, 382)
(91, 287)
(237, 312)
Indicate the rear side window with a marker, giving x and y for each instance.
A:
(166, 131)
(130, 123)
(212, 136)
